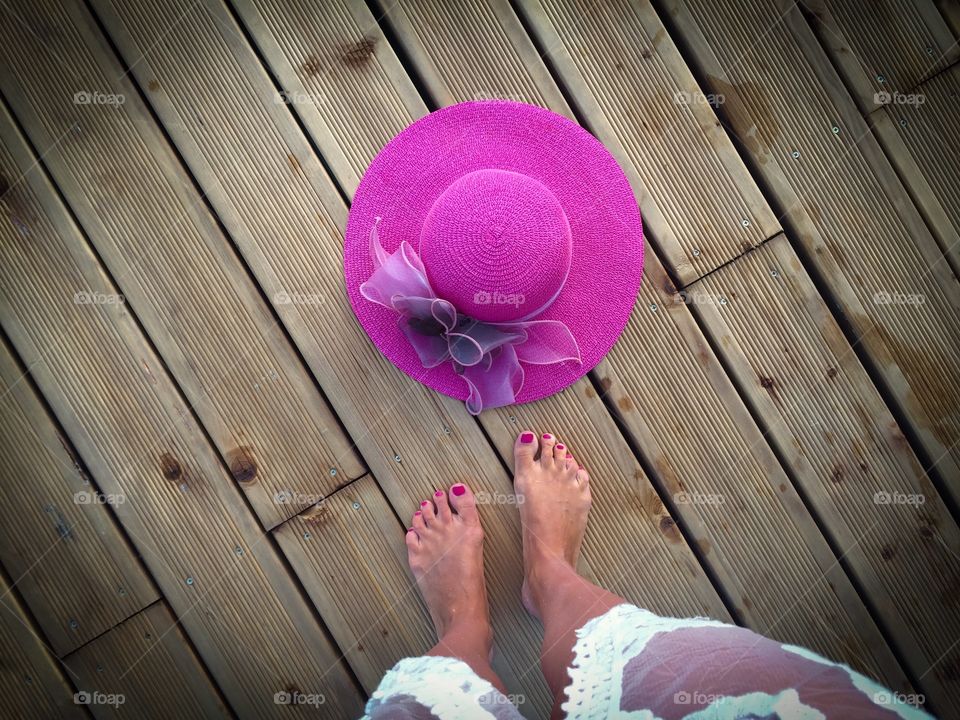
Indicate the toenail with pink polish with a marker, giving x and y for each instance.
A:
(526, 438)
(439, 493)
(458, 490)
(424, 503)
(560, 446)
(417, 513)
(547, 436)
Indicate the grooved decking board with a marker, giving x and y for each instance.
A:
(274, 197)
(71, 564)
(843, 204)
(350, 552)
(852, 462)
(172, 263)
(637, 95)
(32, 681)
(145, 660)
(923, 143)
(884, 47)
(775, 565)
(319, 66)
(674, 398)
(121, 412)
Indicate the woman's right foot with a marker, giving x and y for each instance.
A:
(553, 494)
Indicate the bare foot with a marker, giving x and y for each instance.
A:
(445, 550)
(555, 494)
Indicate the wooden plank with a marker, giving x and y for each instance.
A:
(173, 265)
(350, 552)
(32, 680)
(653, 396)
(144, 668)
(635, 92)
(122, 413)
(923, 142)
(74, 568)
(852, 462)
(412, 438)
(884, 50)
(844, 205)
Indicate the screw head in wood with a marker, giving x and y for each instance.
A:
(189, 581)
(795, 154)
(356, 506)
(333, 472)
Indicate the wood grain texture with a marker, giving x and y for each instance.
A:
(73, 567)
(885, 48)
(174, 267)
(33, 682)
(672, 393)
(849, 457)
(350, 552)
(635, 92)
(145, 663)
(276, 200)
(923, 143)
(196, 535)
(319, 52)
(844, 205)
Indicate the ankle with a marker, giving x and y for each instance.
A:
(545, 575)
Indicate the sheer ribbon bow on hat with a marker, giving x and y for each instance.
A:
(486, 355)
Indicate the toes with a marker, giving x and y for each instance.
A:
(427, 512)
(583, 479)
(524, 449)
(418, 523)
(463, 501)
(443, 507)
(572, 463)
(547, 443)
(412, 540)
(560, 453)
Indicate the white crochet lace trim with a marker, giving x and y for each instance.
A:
(445, 685)
(604, 646)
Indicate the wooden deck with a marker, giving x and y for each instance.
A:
(208, 468)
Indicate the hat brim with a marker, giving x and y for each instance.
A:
(405, 179)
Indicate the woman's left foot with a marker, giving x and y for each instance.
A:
(445, 550)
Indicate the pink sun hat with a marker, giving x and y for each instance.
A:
(494, 252)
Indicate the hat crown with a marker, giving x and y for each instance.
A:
(497, 245)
